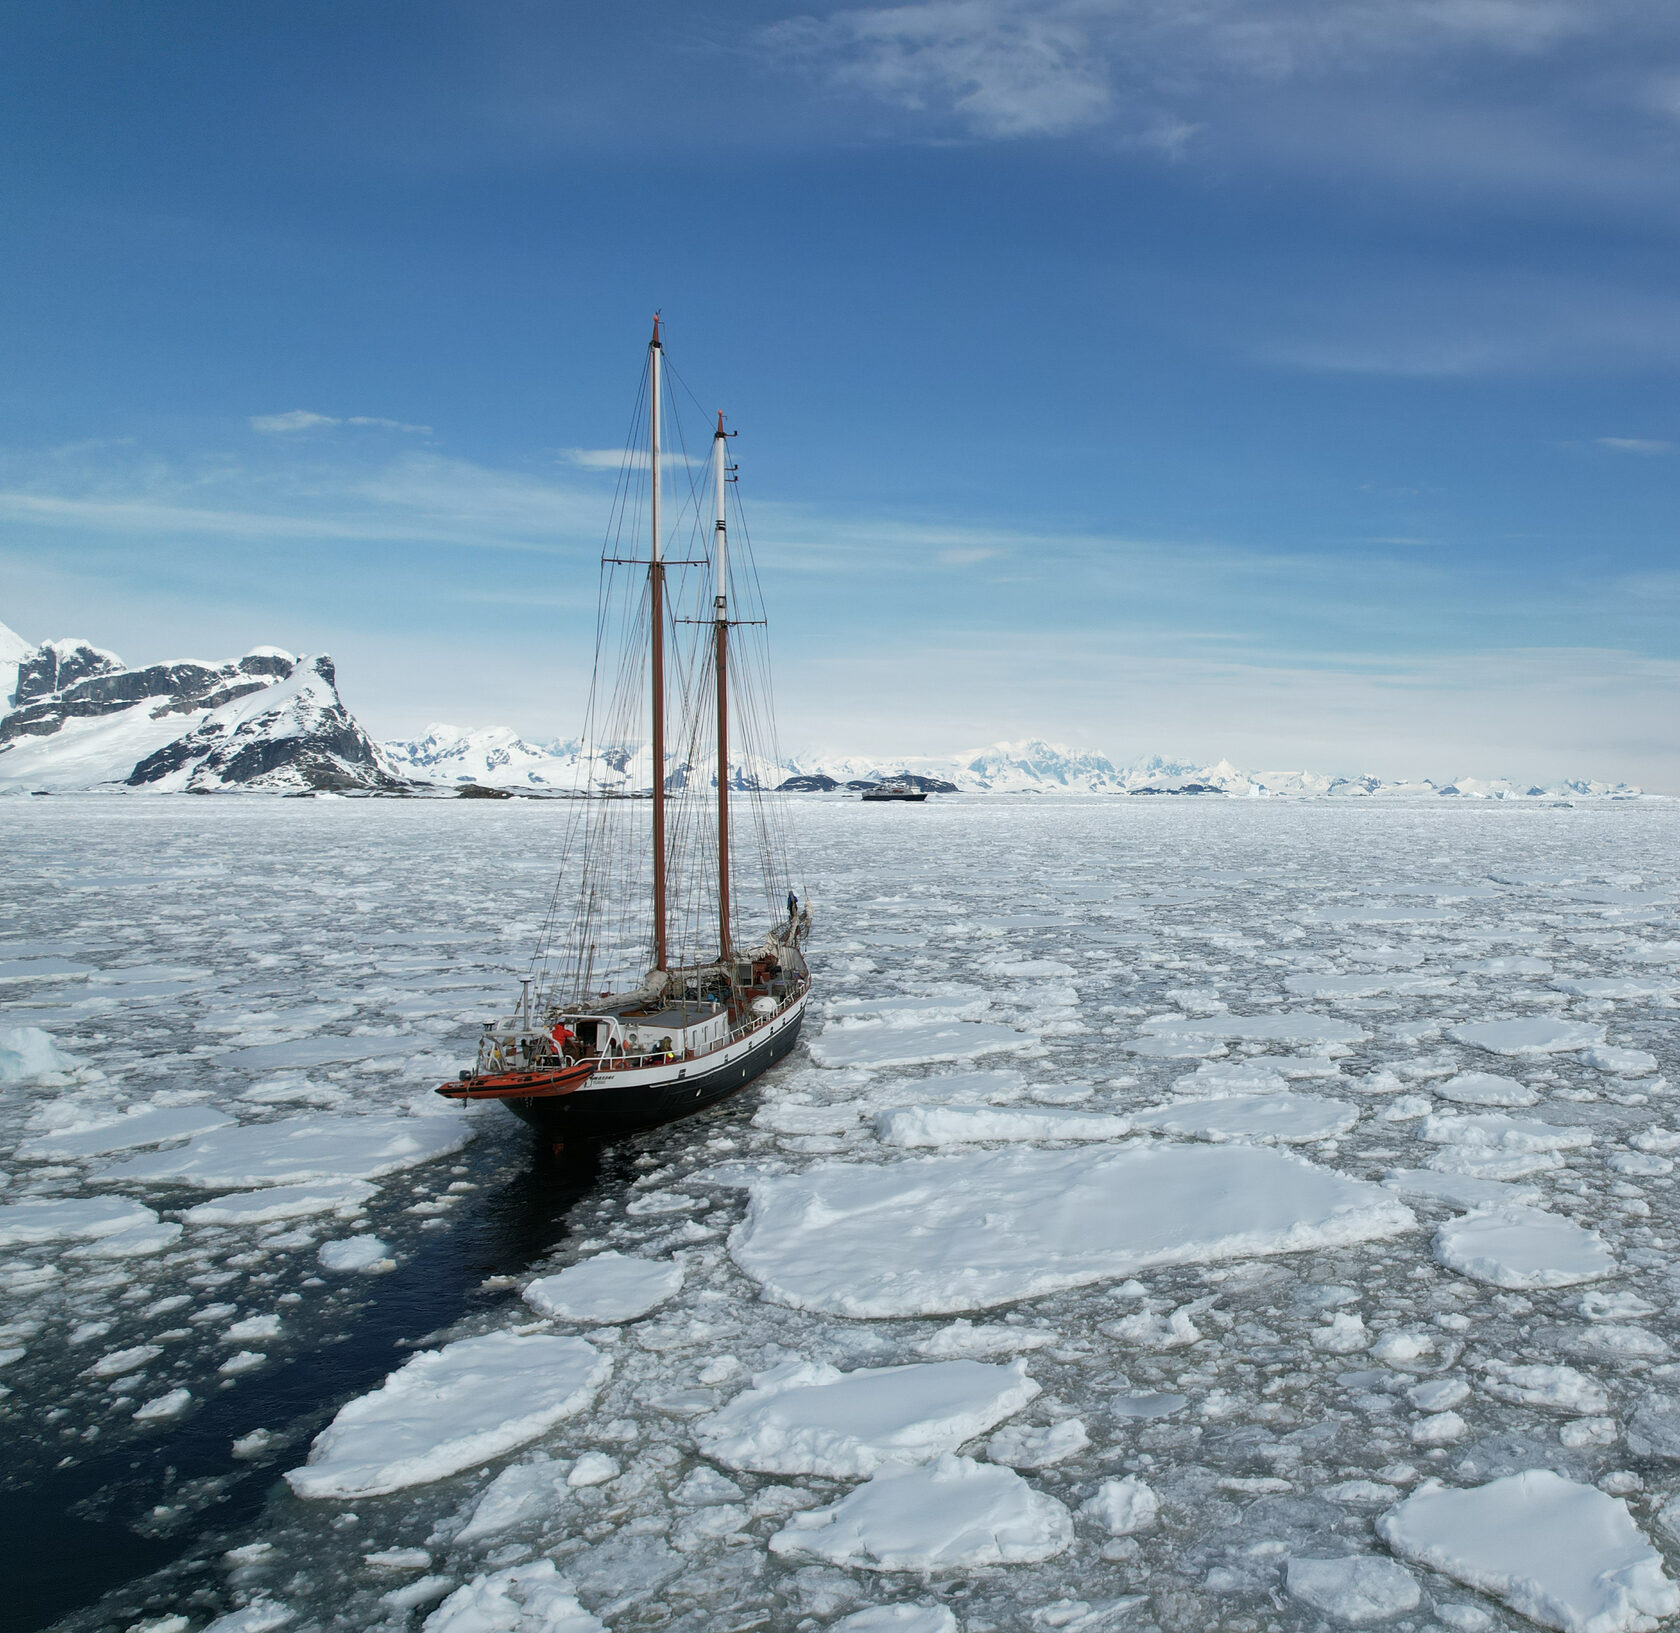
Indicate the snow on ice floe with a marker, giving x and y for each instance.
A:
(1607, 1057)
(1531, 1035)
(1562, 1554)
(1371, 985)
(28, 1053)
(609, 1288)
(874, 1044)
(1282, 1119)
(805, 1417)
(1551, 1388)
(451, 1409)
(145, 1125)
(533, 1598)
(1485, 1089)
(299, 1149)
(1492, 1131)
(55, 1219)
(1281, 1028)
(911, 1126)
(901, 1011)
(341, 1196)
(1491, 1163)
(965, 1339)
(952, 1514)
(1459, 1190)
(917, 1618)
(1522, 1247)
(965, 1231)
(363, 1255)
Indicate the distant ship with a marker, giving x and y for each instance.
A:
(898, 789)
(594, 1047)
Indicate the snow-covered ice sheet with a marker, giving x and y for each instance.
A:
(964, 1232)
(950, 1515)
(912, 1126)
(450, 1409)
(879, 1044)
(1531, 1035)
(61, 1218)
(810, 1418)
(277, 1202)
(297, 1149)
(610, 1287)
(1280, 1119)
(151, 1125)
(1522, 1247)
(1558, 1552)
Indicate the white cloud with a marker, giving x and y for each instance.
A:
(1015, 68)
(967, 558)
(1635, 445)
(615, 459)
(301, 419)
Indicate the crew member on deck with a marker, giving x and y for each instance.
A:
(793, 905)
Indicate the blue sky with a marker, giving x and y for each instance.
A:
(1290, 380)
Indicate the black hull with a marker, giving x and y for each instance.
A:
(607, 1114)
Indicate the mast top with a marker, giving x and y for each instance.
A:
(656, 322)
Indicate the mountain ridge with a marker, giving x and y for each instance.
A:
(74, 716)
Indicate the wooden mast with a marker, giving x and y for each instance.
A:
(656, 605)
(720, 617)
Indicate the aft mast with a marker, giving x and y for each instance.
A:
(656, 608)
(720, 616)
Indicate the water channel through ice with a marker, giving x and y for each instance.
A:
(1179, 1215)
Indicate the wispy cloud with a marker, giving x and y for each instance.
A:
(295, 420)
(616, 459)
(967, 558)
(1635, 445)
(1018, 68)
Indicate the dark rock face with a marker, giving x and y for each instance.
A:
(57, 664)
(90, 683)
(818, 784)
(310, 737)
(1182, 788)
(908, 779)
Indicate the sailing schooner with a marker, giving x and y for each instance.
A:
(629, 1018)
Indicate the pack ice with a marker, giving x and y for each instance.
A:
(1562, 1554)
(952, 1514)
(610, 1287)
(450, 1409)
(940, 1235)
(248, 1155)
(809, 1418)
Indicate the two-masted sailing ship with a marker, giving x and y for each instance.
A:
(642, 1003)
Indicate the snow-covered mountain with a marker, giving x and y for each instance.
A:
(74, 716)
(498, 758)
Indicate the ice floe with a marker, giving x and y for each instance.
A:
(1282, 1119)
(1122, 1507)
(28, 1053)
(1530, 1035)
(1486, 1089)
(1356, 1589)
(148, 1125)
(1494, 1131)
(952, 1514)
(532, 1598)
(938, 1235)
(54, 1219)
(1460, 1190)
(1522, 1247)
(811, 1418)
(340, 1196)
(878, 1044)
(605, 1289)
(450, 1409)
(1560, 1553)
(912, 1126)
(356, 1255)
(298, 1149)
(1282, 1028)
